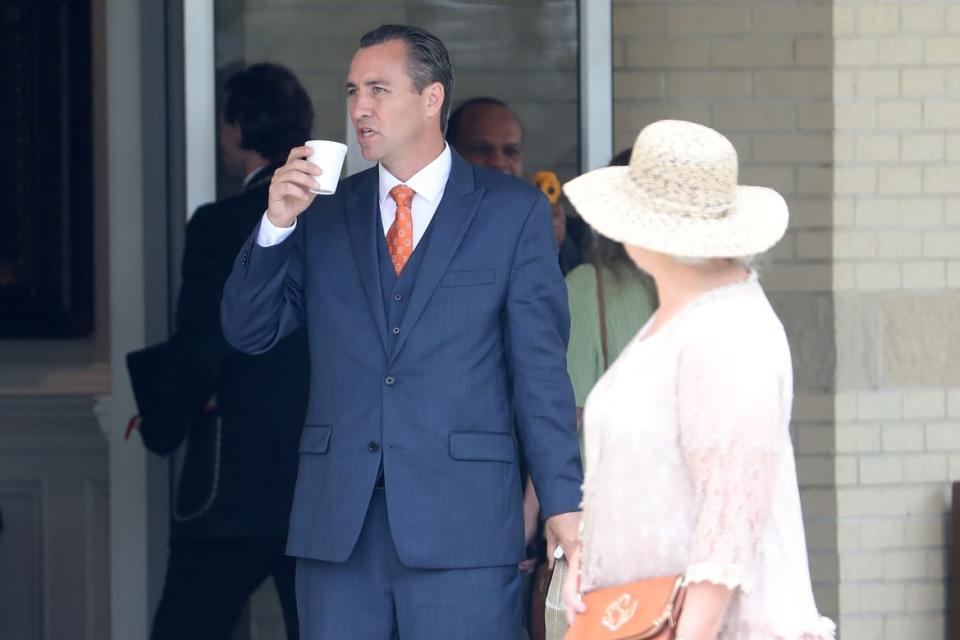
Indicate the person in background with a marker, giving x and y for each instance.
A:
(486, 132)
(690, 465)
(610, 299)
(230, 517)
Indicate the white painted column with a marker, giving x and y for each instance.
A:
(129, 591)
(596, 83)
(199, 72)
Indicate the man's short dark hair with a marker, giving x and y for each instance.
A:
(427, 59)
(456, 118)
(271, 108)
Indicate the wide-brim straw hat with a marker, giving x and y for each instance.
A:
(680, 196)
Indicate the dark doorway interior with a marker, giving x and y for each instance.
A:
(46, 221)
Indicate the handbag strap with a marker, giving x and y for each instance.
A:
(602, 306)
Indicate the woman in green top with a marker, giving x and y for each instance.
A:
(610, 299)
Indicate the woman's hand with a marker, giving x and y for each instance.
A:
(562, 531)
(572, 601)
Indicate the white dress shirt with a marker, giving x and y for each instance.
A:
(253, 175)
(428, 185)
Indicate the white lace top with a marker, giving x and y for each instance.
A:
(690, 466)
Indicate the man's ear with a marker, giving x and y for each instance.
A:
(433, 98)
(231, 133)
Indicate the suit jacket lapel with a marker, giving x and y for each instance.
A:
(363, 220)
(450, 222)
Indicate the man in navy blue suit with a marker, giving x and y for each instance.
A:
(437, 320)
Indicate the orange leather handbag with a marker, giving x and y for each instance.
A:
(641, 610)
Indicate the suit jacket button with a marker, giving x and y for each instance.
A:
(243, 260)
(390, 381)
(396, 331)
(373, 447)
(397, 297)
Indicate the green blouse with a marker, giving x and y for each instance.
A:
(629, 304)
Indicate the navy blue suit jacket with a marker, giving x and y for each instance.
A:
(479, 361)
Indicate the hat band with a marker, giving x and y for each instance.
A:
(699, 212)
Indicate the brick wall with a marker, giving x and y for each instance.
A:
(761, 73)
(896, 253)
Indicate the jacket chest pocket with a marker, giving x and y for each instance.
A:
(470, 278)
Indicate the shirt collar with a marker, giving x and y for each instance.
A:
(253, 175)
(428, 183)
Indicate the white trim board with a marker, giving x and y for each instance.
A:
(596, 83)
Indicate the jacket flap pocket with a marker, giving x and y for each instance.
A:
(482, 445)
(315, 438)
(469, 278)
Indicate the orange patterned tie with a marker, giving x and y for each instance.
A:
(400, 234)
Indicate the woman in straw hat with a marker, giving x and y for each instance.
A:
(690, 467)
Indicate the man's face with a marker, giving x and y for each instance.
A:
(388, 114)
(491, 136)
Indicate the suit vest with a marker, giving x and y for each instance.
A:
(395, 289)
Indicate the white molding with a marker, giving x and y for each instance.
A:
(96, 555)
(32, 490)
(596, 83)
(101, 409)
(200, 110)
(55, 428)
(65, 410)
(56, 496)
(129, 551)
(31, 380)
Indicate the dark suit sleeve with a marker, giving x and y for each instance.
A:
(538, 326)
(185, 371)
(198, 337)
(263, 298)
(161, 428)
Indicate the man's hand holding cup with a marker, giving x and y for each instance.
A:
(311, 170)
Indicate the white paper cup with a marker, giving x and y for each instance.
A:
(328, 155)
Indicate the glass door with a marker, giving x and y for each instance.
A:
(523, 52)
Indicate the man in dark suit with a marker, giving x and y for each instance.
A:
(231, 513)
(437, 319)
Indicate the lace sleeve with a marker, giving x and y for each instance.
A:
(731, 412)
